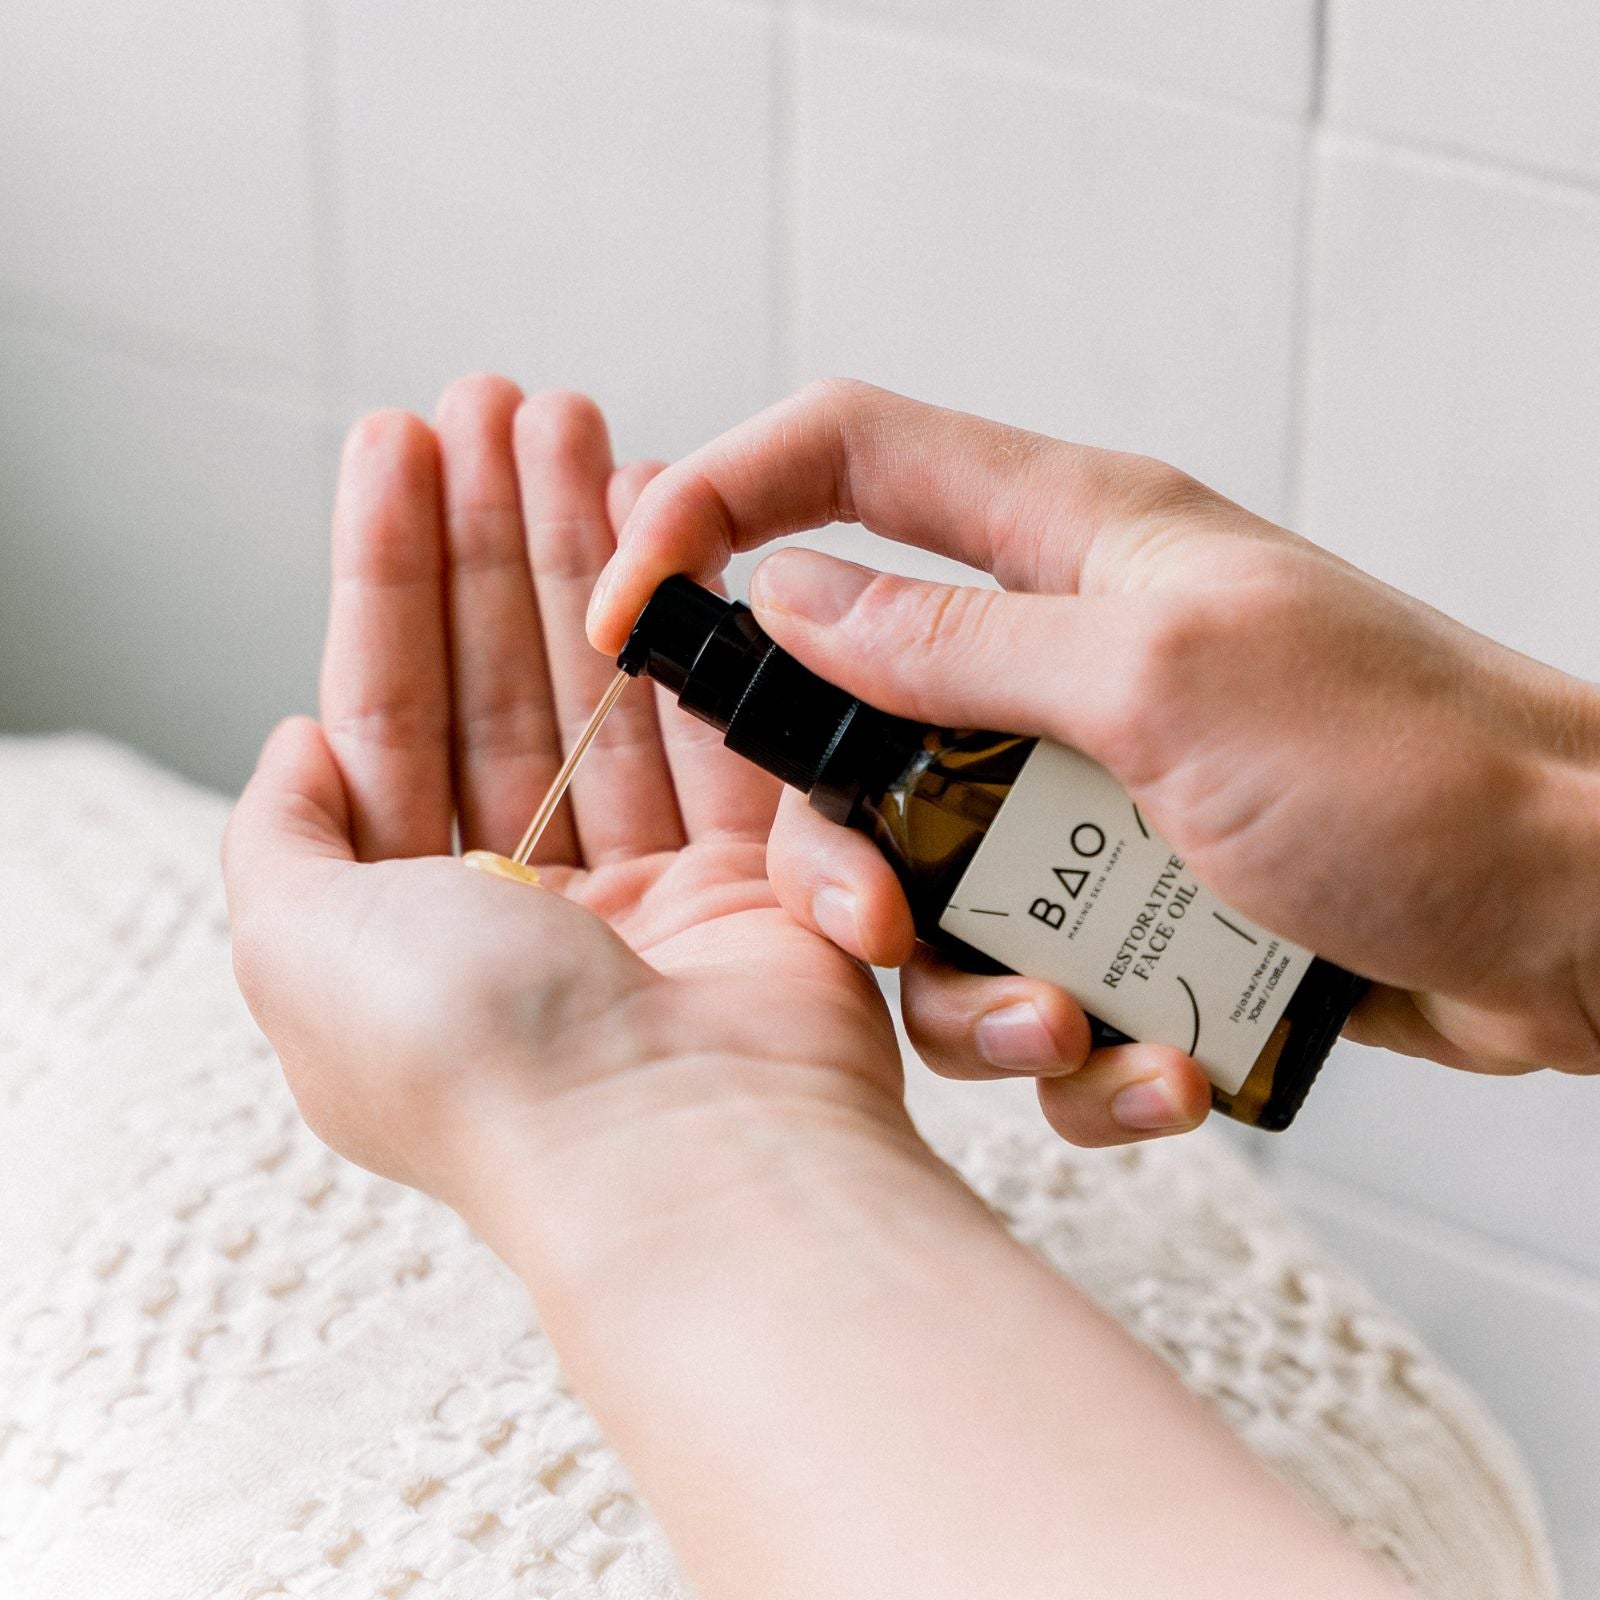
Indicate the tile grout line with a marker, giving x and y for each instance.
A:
(987, 56)
(1484, 165)
(781, 309)
(1463, 164)
(1298, 393)
(180, 359)
(1319, 59)
(284, 387)
(322, 148)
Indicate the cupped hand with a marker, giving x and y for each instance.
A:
(437, 1024)
(1340, 762)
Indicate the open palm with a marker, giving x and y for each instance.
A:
(399, 987)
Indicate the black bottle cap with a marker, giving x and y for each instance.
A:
(671, 631)
(712, 653)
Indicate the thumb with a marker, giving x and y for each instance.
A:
(949, 654)
(290, 832)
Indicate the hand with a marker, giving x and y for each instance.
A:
(1343, 764)
(429, 1016)
(672, 1109)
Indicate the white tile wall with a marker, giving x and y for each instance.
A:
(576, 193)
(1254, 50)
(155, 169)
(1451, 444)
(164, 564)
(1509, 80)
(1143, 292)
(1508, 1157)
(225, 228)
(1469, 301)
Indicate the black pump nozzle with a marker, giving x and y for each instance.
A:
(671, 631)
(713, 654)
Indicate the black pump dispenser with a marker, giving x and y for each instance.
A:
(712, 653)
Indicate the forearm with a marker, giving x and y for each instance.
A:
(834, 1375)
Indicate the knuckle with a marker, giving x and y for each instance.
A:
(566, 547)
(846, 412)
(937, 1021)
(1158, 492)
(1074, 1116)
(941, 1054)
(1145, 696)
(836, 393)
(791, 865)
(508, 724)
(931, 618)
(400, 724)
(943, 1065)
(1174, 642)
(485, 537)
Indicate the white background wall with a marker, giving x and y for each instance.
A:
(1342, 259)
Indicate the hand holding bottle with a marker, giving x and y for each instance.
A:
(1336, 760)
(673, 1110)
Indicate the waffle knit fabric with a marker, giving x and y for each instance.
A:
(233, 1365)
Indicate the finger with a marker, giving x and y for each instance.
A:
(957, 656)
(1388, 1019)
(834, 881)
(507, 745)
(622, 799)
(1427, 1026)
(289, 834)
(385, 678)
(720, 794)
(1016, 504)
(1126, 1093)
(717, 792)
(968, 1025)
(623, 491)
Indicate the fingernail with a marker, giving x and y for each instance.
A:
(834, 911)
(600, 595)
(806, 584)
(1015, 1039)
(1147, 1107)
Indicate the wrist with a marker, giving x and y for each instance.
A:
(628, 1179)
(824, 1318)
(1548, 970)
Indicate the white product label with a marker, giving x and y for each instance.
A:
(1071, 885)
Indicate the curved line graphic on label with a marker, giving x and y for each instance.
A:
(1146, 832)
(1194, 1043)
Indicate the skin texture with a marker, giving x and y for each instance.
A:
(673, 1109)
(1339, 761)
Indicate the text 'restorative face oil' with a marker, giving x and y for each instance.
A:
(1016, 854)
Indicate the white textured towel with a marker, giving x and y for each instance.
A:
(233, 1365)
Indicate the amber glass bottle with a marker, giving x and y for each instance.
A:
(1016, 854)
